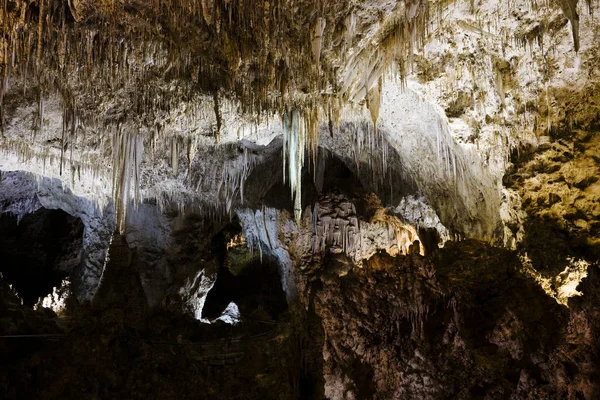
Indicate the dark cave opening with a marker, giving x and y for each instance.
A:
(252, 282)
(256, 291)
(39, 251)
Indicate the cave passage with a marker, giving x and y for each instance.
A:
(39, 251)
(251, 282)
(256, 290)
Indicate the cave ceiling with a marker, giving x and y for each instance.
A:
(179, 101)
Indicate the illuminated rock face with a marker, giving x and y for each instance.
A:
(466, 324)
(339, 142)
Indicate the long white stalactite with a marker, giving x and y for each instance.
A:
(294, 147)
(128, 148)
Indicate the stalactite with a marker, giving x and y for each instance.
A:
(40, 31)
(128, 148)
(218, 117)
(175, 144)
(294, 134)
(569, 8)
(374, 102)
(317, 38)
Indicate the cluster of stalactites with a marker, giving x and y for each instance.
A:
(370, 145)
(300, 135)
(89, 46)
(109, 46)
(233, 179)
(391, 50)
(128, 147)
(362, 80)
(110, 51)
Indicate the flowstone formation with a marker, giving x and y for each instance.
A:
(344, 199)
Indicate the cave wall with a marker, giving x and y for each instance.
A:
(464, 324)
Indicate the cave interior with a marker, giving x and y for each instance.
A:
(285, 199)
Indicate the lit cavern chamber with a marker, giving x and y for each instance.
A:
(299, 200)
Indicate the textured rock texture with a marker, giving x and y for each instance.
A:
(463, 324)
